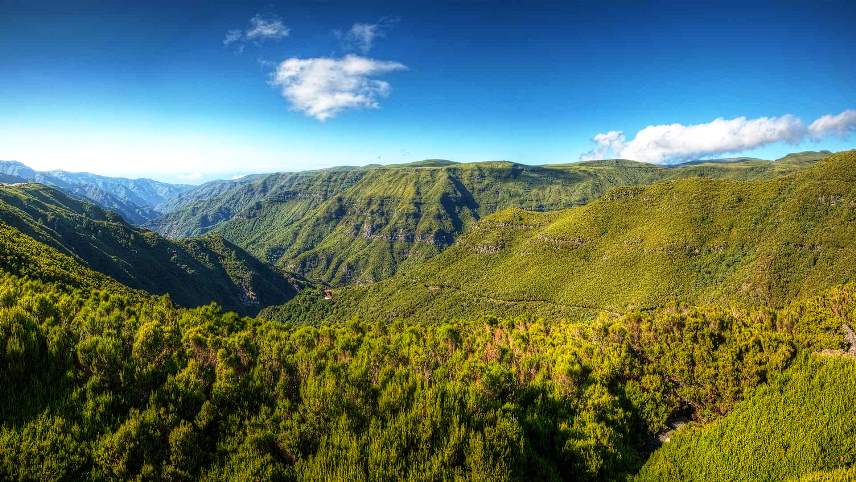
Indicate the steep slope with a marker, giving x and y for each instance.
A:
(23, 256)
(351, 224)
(137, 200)
(362, 224)
(193, 271)
(801, 423)
(696, 240)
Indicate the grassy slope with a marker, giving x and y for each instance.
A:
(696, 240)
(363, 224)
(193, 271)
(799, 424)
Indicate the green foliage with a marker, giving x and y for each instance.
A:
(720, 302)
(348, 225)
(193, 271)
(107, 384)
(690, 240)
(801, 425)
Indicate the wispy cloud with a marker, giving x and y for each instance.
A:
(669, 143)
(323, 87)
(607, 142)
(261, 27)
(361, 36)
(233, 36)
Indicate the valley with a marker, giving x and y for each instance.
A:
(496, 321)
(427, 241)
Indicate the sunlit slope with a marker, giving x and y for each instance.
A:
(193, 271)
(690, 240)
(362, 224)
(103, 383)
(800, 426)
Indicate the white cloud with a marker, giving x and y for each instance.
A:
(261, 28)
(606, 142)
(669, 143)
(266, 28)
(840, 125)
(233, 36)
(361, 36)
(322, 87)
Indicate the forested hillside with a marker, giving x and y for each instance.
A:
(355, 225)
(107, 383)
(799, 426)
(193, 271)
(137, 200)
(692, 240)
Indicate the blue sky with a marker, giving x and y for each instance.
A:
(200, 90)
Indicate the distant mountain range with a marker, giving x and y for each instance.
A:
(137, 200)
(360, 224)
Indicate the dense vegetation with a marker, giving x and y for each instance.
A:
(564, 345)
(349, 225)
(193, 271)
(103, 384)
(801, 422)
(137, 200)
(691, 240)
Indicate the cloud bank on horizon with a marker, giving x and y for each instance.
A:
(673, 143)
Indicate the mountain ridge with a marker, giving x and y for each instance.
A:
(692, 240)
(137, 200)
(361, 224)
(193, 271)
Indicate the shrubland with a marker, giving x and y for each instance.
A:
(102, 383)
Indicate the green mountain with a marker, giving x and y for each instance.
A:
(358, 225)
(691, 240)
(137, 200)
(193, 271)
